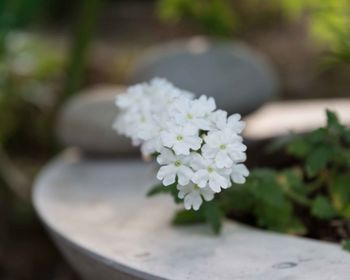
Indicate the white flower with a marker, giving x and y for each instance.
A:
(233, 123)
(181, 139)
(143, 112)
(173, 166)
(239, 173)
(193, 195)
(134, 95)
(199, 147)
(151, 135)
(207, 173)
(195, 112)
(224, 147)
(164, 92)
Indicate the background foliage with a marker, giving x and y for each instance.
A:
(328, 21)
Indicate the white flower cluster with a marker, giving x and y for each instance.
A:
(198, 147)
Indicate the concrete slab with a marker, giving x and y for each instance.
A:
(97, 213)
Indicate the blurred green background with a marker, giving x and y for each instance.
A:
(50, 49)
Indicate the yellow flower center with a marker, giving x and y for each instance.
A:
(179, 138)
(222, 147)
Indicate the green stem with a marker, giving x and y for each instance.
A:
(79, 50)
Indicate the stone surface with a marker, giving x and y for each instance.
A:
(239, 78)
(97, 212)
(86, 122)
(281, 118)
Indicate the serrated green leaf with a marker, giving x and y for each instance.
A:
(236, 198)
(160, 189)
(157, 189)
(272, 209)
(317, 136)
(332, 119)
(341, 156)
(346, 244)
(322, 208)
(298, 147)
(279, 217)
(213, 215)
(291, 181)
(340, 193)
(317, 160)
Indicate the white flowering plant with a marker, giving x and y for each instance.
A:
(198, 147)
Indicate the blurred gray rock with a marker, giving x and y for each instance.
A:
(86, 122)
(239, 78)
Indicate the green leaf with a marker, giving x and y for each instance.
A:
(340, 193)
(341, 156)
(291, 181)
(185, 217)
(272, 209)
(159, 189)
(346, 244)
(317, 160)
(347, 136)
(332, 119)
(322, 208)
(317, 136)
(236, 198)
(213, 215)
(298, 147)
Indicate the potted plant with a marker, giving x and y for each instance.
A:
(96, 211)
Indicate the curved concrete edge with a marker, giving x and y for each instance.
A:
(90, 265)
(93, 264)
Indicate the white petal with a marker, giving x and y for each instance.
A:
(168, 180)
(194, 142)
(197, 161)
(208, 152)
(202, 123)
(200, 178)
(181, 194)
(190, 130)
(235, 124)
(239, 172)
(216, 182)
(222, 160)
(207, 194)
(214, 139)
(181, 148)
(167, 138)
(188, 202)
(167, 174)
(196, 200)
(166, 156)
(184, 174)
